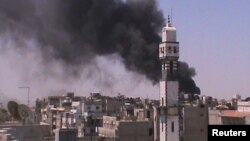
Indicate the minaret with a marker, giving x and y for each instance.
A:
(169, 85)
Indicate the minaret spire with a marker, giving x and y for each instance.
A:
(169, 22)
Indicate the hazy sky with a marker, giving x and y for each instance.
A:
(214, 38)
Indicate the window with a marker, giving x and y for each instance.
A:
(150, 131)
(162, 126)
(172, 126)
(175, 50)
(162, 50)
(162, 101)
(169, 49)
(148, 114)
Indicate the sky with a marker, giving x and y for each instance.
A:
(214, 38)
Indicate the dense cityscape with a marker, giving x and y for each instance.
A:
(99, 117)
(69, 117)
(112, 70)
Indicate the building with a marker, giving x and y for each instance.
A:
(92, 117)
(233, 117)
(228, 117)
(92, 106)
(169, 85)
(112, 106)
(243, 106)
(61, 112)
(125, 130)
(16, 131)
(214, 117)
(66, 134)
(195, 121)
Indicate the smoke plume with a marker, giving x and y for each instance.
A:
(187, 84)
(72, 34)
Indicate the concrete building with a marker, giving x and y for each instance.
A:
(228, 117)
(66, 134)
(92, 106)
(91, 117)
(233, 117)
(195, 121)
(61, 112)
(11, 131)
(169, 85)
(214, 117)
(112, 106)
(126, 130)
(243, 106)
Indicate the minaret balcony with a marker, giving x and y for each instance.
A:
(169, 57)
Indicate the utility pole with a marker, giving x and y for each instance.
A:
(28, 88)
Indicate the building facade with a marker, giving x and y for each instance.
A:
(169, 85)
(125, 130)
(243, 106)
(195, 120)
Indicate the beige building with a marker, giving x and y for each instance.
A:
(228, 117)
(233, 117)
(243, 106)
(126, 130)
(214, 117)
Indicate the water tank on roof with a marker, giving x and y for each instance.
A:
(67, 101)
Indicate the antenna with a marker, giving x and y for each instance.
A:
(171, 14)
(28, 88)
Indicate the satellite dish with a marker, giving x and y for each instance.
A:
(13, 109)
(25, 113)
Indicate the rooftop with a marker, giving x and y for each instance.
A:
(233, 113)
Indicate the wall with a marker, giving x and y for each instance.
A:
(173, 128)
(28, 132)
(195, 123)
(214, 117)
(125, 130)
(133, 131)
(243, 106)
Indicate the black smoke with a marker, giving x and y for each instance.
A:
(185, 74)
(75, 31)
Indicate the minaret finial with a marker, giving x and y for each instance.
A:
(171, 14)
(169, 21)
